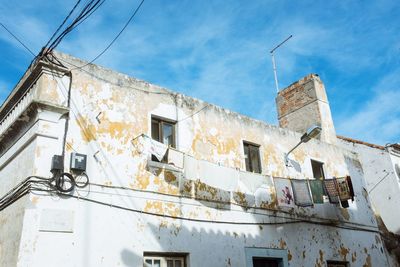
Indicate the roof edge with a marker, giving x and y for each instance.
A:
(360, 142)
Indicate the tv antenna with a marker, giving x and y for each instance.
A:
(273, 61)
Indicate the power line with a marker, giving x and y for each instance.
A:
(115, 38)
(275, 211)
(62, 24)
(292, 221)
(87, 11)
(16, 38)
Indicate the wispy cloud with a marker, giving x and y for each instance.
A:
(219, 52)
(378, 120)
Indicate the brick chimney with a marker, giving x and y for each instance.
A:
(303, 104)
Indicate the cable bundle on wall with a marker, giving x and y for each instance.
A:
(60, 183)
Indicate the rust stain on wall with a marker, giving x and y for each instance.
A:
(87, 130)
(345, 213)
(162, 208)
(290, 256)
(240, 198)
(319, 262)
(343, 252)
(166, 182)
(282, 244)
(35, 199)
(367, 261)
(142, 180)
(354, 256)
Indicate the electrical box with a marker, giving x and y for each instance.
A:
(78, 162)
(57, 164)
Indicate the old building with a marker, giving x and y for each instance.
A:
(217, 193)
(381, 168)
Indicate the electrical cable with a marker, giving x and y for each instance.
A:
(194, 113)
(62, 24)
(59, 183)
(219, 203)
(215, 221)
(87, 10)
(16, 38)
(82, 183)
(115, 38)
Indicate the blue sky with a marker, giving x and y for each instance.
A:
(218, 51)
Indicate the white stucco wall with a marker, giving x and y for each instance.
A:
(382, 182)
(135, 201)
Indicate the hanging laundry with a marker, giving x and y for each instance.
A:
(284, 193)
(175, 158)
(301, 192)
(343, 189)
(331, 189)
(146, 145)
(317, 191)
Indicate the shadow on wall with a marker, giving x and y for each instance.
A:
(224, 244)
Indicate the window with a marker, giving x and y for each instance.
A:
(163, 131)
(318, 169)
(164, 261)
(337, 264)
(266, 257)
(266, 262)
(252, 157)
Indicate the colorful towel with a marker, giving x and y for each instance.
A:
(301, 192)
(343, 189)
(284, 193)
(331, 190)
(317, 191)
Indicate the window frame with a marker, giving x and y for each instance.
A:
(269, 253)
(334, 263)
(322, 169)
(161, 121)
(164, 257)
(248, 157)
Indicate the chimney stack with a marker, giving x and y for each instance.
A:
(303, 104)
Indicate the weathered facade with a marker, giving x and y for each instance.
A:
(381, 167)
(382, 178)
(206, 211)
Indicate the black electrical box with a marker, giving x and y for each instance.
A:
(57, 164)
(78, 162)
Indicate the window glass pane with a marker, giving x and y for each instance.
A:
(148, 263)
(156, 263)
(247, 157)
(178, 263)
(318, 170)
(252, 158)
(266, 262)
(155, 133)
(167, 133)
(255, 159)
(170, 263)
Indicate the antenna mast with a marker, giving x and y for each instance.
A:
(273, 61)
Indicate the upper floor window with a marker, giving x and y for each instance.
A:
(252, 157)
(163, 131)
(318, 169)
(164, 260)
(337, 264)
